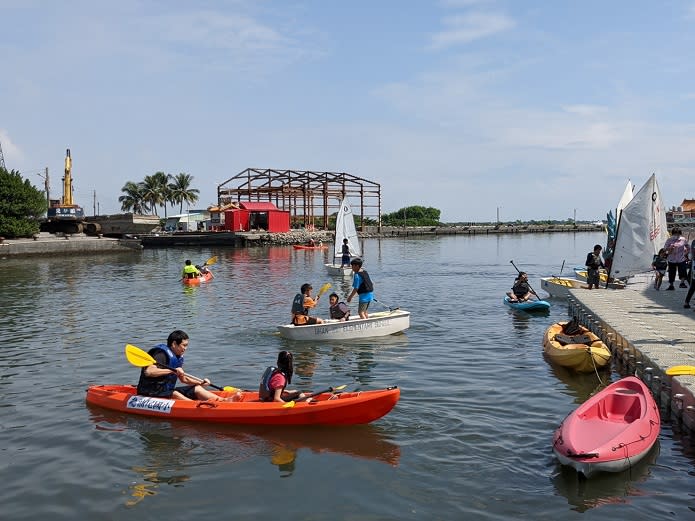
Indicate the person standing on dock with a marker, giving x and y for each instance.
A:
(593, 265)
(677, 248)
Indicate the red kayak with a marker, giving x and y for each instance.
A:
(349, 408)
(611, 431)
(204, 277)
(305, 247)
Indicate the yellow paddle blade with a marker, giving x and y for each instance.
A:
(681, 370)
(229, 389)
(324, 288)
(211, 260)
(339, 388)
(138, 357)
(288, 405)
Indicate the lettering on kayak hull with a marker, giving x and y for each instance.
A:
(149, 403)
(348, 327)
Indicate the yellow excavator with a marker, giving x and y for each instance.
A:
(63, 215)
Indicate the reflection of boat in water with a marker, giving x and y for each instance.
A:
(361, 441)
(579, 385)
(604, 488)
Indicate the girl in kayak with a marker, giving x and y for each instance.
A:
(275, 380)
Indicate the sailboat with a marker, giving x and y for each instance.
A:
(344, 229)
(640, 233)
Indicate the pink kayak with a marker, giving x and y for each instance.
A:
(611, 431)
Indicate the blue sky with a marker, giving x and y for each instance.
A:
(538, 108)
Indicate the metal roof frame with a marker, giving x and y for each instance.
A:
(310, 196)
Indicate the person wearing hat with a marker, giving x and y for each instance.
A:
(362, 286)
(301, 305)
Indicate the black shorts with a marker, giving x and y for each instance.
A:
(188, 391)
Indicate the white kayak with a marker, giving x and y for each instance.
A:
(381, 323)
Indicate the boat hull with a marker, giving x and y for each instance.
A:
(382, 323)
(339, 271)
(559, 287)
(583, 358)
(611, 431)
(350, 408)
(205, 277)
(529, 305)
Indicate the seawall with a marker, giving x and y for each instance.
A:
(47, 244)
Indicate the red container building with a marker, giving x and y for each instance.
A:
(256, 216)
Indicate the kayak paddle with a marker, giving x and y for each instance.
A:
(140, 358)
(681, 370)
(212, 260)
(289, 405)
(324, 288)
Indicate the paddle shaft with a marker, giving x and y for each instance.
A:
(162, 366)
(328, 390)
(527, 282)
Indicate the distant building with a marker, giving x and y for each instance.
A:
(195, 220)
(683, 214)
(256, 216)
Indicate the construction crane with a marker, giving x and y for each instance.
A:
(63, 215)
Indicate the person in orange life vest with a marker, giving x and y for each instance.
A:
(301, 305)
(275, 380)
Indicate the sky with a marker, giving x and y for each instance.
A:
(526, 110)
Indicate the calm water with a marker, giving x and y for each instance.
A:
(470, 436)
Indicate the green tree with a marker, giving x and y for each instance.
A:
(412, 216)
(181, 191)
(133, 199)
(21, 205)
(156, 191)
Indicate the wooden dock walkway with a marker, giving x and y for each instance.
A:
(647, 331)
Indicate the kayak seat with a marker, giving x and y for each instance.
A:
(564, 340)
(620, 407)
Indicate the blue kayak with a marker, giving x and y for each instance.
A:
(529, 305)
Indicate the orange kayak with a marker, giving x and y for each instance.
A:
(305, 247)
(349, 408)
(205, 277)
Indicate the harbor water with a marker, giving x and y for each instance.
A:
(471, 435)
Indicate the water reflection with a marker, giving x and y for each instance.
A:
(580, 385)
(522, 319)
(604, 488)
(170, 448)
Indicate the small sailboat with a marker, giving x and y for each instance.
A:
(344, 229)
(641, 232)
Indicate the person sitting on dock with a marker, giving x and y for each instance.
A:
(521, 291)
(301, 305)
(190, 271)
(338, 310)
(659, 264)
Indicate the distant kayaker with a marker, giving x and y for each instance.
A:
(160, 379)
(190, 271)
(521, 291)
(362, 286)
(301, 305)
(338, 310)
(311, 242)
(275, 380)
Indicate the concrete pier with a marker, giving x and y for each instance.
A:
(49, 244)
(647, 331)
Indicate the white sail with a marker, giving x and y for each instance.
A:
(345, 229)
(624, 200)
(641, 231)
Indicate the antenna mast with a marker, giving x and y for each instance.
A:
(2, 158)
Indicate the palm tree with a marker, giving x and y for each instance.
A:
(180, 191)
(156, 190)
(133, 200)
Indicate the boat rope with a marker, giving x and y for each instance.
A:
(641, 438)
(593, 362)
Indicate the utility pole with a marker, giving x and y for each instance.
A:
(2, 159)
(47, 187)
(94, 203)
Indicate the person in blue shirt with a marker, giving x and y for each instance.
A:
(362, 286)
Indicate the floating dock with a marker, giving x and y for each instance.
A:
(647, 331)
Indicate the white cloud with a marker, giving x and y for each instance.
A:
(461, 29)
